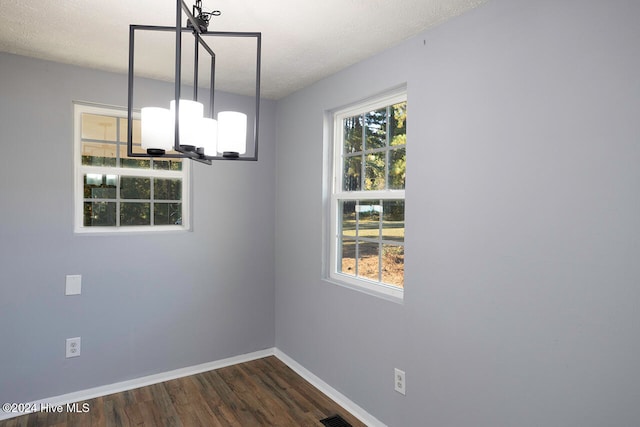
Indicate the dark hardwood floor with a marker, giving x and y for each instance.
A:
(263, 392)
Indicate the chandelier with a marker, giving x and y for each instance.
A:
(181, 128)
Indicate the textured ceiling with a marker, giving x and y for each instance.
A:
(302, 41)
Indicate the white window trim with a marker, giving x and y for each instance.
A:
(333, 172)
(79, 170)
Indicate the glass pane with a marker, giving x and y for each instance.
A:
(98, 154)
(393, 220)
(393, 265)
(368, 260)
(98, 214)
(375, 171)
(348, 226)
(133, 162)
(167, 164)
(135, 188)
(352, 171)
(376, 129)
(398, 124)
(369, 218)
(103, 128)
(167, 189)
(132, 213)
(397, 168)
(348, 257)
(136, 131)
(98, 186)
(352, 134)
(136, 163)
(167, 213)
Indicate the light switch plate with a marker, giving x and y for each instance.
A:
(74, 285)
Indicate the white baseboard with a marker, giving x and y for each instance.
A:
(334, 394)
(92, 393)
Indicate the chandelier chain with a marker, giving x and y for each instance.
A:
(202, 17)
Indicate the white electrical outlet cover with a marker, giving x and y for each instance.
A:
(400, 384)
(73, 347)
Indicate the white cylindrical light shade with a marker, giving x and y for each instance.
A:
(190, 120)
(209, 136)
(232, 132)
(156, 129)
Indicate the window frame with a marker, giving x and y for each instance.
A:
(336, 194)
(80, 170)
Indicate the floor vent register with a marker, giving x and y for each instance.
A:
(335, 421)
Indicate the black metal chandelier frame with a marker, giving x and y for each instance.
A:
(197, 26)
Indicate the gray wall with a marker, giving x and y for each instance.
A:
(523, 234)
(522, 301)
(149, 303)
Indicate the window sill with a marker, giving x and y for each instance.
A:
(388, 293)
(116, 231)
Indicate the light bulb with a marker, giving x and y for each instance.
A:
(232, 133)
(190, 120)
(209, 135)
(156, 129)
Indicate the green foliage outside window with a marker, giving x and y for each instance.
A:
(374, 158)
(375, 149)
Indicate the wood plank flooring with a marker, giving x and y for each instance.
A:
(263, 392)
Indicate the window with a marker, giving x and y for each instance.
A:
(368, 195)
(117, 193)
